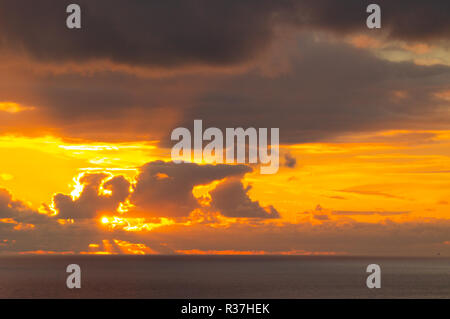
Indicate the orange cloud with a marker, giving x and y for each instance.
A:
(365, 42)
(134, 249)
(11, 107)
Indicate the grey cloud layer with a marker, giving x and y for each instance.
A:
(175, 33)
(330, 89)
(162, 33)
(360, 96)
(117, 105)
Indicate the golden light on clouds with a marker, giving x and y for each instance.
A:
(420, 53)
(134, 249)
(117, 246)
(134, 224)
(11, 107)
(396, 162)
(60, 162)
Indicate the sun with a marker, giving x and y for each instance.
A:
(105, 220)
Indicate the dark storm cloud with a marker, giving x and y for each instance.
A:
(231, 199)
(330, 89)
(162, 33)
(176, 33)
(405, 19)
(165, 188)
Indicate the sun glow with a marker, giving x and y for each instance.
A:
(59, 160)
(134, 224)
(77, 187)
(117, 246)
(11, 107)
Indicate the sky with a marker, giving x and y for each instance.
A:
(86, 117)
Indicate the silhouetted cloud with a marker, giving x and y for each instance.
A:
(91, 202)
(289, 160)
(165, 188)
(177, 33)
(162, 189)
(231, 199)
(18, 212)
(154, 33)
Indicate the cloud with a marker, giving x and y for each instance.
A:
(289, 160)
(172, 62)
(11, 107)
(231, 199)
(91, 202)
(23, 229)
(402, 20)
(162, 189)
(167, 34)
(423, 237)
(336, 197)
(17, 211)
(165, 188)
(321, 213)
(116, 105)
(321, 217)
(413, 238)
(359, 95)
(380, 213)
(363, 190)
(177, 33)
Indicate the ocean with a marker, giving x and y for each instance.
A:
(255, 277)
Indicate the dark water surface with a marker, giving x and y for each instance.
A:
(223, 277)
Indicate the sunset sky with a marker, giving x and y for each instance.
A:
(86, 117)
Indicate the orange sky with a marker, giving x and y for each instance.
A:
(364, 114)
(368, 178)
